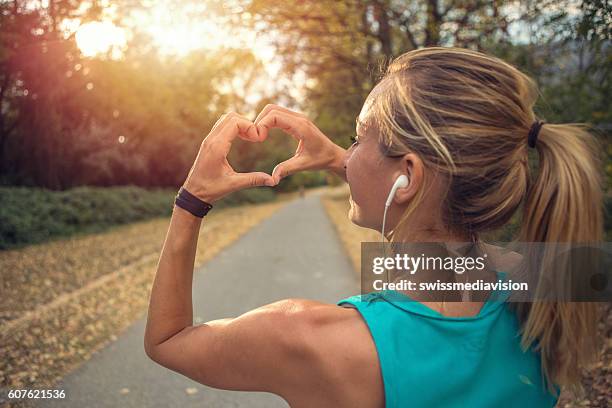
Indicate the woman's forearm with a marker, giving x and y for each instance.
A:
(170, 305)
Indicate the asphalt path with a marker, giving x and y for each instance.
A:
(294, 253)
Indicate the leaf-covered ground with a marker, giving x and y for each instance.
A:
(64, 300)
(597, 381)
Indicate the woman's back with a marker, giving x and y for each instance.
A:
(430, 360)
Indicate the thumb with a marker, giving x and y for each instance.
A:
(286, 168)
(255, 179)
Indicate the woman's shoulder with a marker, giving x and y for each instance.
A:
(326, 326)
(337, 346)
(322, 327)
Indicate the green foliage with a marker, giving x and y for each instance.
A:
(30, 215)
(68, 121)
(33, 215)
(304, 179)
(255, 195)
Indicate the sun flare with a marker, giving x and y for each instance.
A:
(99, 38)
(172, 32)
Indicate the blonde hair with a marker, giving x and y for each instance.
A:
(467, 115)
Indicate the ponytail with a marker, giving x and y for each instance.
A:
(564, 204)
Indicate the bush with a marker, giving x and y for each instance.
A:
(33, 215)
(305, 179)
(249, 196)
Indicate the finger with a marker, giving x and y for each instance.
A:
(287, 168)
(296, 126)
(270, 107)
(255, 179)
(251, 135)
(231, 126)
(244, 127)
(219, 121)
(224, 119)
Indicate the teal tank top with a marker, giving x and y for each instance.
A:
(430, 360)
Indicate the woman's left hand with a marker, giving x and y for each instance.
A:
(212, 177)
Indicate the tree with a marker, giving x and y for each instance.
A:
(343, 46)
(67, 120)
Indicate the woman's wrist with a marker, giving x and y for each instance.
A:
(199, 192)
(191, 203)
(337, 164)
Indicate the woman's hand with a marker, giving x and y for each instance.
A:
(315, 151)
(212, 177)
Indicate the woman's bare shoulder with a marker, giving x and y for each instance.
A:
(340, 350)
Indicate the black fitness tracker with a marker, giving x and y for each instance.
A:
(191, 203)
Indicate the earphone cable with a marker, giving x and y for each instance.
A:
(382, 239)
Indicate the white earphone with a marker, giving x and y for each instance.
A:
(400, 182)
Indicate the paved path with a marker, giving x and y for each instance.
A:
(294, 253)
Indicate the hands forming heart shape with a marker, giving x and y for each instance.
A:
(212, 177)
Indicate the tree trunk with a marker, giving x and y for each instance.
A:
(432, 29)
(384, 29)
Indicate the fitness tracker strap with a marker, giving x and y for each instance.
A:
(191, 203)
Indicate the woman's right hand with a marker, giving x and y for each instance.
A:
(315, 151)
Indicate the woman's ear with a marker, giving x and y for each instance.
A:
(413, 166)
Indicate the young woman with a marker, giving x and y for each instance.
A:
(459, 124)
